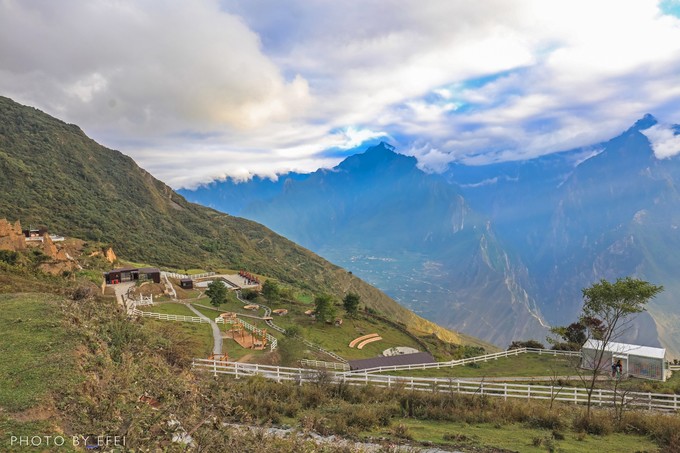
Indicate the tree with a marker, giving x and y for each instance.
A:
(573, 336)
(323, 307)
(351, 304)
(271, 290)
(532, 344)
(612, 304)
(217, 292)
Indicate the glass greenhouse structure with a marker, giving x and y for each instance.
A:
(638, 361)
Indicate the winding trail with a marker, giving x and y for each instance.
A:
(270, 323)
(267, 313)
(217, 335)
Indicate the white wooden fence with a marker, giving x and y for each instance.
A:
(304, 363)
(167, 317)
(273, 342)
(481, 358)
(600, 397)
(193, 277)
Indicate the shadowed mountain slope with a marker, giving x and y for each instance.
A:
(54, 175)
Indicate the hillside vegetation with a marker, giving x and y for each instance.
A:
(54, 175)
(111, 365)
(77, 364)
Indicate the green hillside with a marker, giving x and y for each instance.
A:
(55, 176)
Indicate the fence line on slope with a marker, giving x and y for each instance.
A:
(308, 343)
(600, 397)
(167, 317)
(459, 362)
(273, 342)
(193, 276)
(305, 363)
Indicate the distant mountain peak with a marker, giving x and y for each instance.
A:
(377, 156)
(382, 147)
(645, 122)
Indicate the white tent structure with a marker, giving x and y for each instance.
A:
(639, 361)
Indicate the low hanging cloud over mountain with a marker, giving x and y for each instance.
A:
(207, 89)
(664, 139)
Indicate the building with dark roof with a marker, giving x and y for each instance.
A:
(402, 359)
(130, 274)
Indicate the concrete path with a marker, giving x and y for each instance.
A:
(121, 290)
(168, 286)
(217, 334)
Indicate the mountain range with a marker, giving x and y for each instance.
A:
(54, 176)
(499, 251)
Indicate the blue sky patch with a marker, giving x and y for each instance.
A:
(670, 7)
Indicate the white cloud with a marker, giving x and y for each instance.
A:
(429, 159)
(143, 68)
(203, 89)
(665, 142)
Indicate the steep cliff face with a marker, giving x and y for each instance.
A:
(612, 214)
(498, 250)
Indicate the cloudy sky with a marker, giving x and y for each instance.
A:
(203, 89)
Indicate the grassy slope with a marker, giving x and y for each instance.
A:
(37, 353)
(516, 437)
(54, 175)
(523, 365)
(119, 359)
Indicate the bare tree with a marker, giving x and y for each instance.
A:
(612, 304)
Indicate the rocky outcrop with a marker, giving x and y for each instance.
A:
(110, 256)
(48, 247)
(11, 236)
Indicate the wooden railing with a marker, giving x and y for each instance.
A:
(600, 397)
(193, 277)
(167, 317)
(304, 363)
(273, 342)
(481, 358)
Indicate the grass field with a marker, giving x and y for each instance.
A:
(36, 350)
(212, 314)
(201, 332)
(522, 365)
(337, 339)
(169, 308)
(516, 437)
